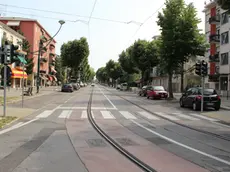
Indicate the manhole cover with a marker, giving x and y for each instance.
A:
(158, 140)
(96, 142)
(125, 141)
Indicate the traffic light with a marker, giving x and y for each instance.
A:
(8, 54)
(198, 68)
(204, 68)
(14, 53)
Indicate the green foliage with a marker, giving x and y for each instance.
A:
(180, 37)
(101, 75)
(113, 69)
(60, 70)
(26, 48)
(74, 52)
(127, 63)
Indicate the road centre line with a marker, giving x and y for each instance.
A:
(181, 144)
(107, 98)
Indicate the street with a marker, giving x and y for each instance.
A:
(58, 136)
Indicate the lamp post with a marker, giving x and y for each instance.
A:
(41, 41)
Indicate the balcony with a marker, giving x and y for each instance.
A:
(42, 71)
(43, 60)
(214, 19)
(214, 58)
(52, 55)
(214, 38)
(52, 46)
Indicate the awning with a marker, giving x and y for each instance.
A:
(49, 77)
(18, 73)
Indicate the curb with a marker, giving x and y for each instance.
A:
(6, 125)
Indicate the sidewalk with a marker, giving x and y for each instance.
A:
(15, 95)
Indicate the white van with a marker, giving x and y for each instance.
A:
(124, 86)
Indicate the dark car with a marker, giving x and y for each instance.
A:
(67, 88)
(156, 92)
(143, 91)
(192, 98)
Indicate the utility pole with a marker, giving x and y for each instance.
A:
(38, 65)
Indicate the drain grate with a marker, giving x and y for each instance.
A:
(158, 141)
(96, 143)
(125, 142)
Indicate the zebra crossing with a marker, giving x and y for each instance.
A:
(111, 115)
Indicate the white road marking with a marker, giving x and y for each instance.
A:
(127, 115)
(186, 116)
(65, 114)
(204, 117)
(84, 114)
(148, 115)
(166, 116)
(18, 125)
(107, 98)
(107, 115)
(45, 114)
(84, 108)
(182, 145)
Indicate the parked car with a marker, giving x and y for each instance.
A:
(118, 86)
(143, 91)
(67, 88)
(124, 86)
(156, 92)
(81, 84)
(92, 85)
(75, 86)
(192, 98)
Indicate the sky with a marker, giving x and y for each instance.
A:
(106, 39)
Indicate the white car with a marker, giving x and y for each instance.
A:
(92, 85)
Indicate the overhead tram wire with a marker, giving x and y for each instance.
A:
(145, 22)
(68, 14)
(94, 5)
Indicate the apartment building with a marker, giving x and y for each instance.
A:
(33, 31)
(17, 77)
(217, 26)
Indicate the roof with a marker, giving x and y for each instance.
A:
(11, 30)
(209, 5)
(25, 19)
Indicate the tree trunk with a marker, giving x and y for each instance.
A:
(170, 90)
(182, 79)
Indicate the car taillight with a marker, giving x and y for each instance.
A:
(198, 97)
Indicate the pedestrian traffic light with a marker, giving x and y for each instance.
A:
(198, 68)
(204, 68)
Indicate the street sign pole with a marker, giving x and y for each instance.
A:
(4, 80)
(23, 86)
(202, 98)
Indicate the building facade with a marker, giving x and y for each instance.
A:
(33, 30)
(217, 26)
(18, 71)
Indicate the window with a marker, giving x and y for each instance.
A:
(224, 38)
(224, 18)
(224, 59)
(218, 32)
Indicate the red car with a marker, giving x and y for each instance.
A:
(156, 92)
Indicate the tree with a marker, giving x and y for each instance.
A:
(127, 63)
(73, 52)
(60, 70)
(26, 48)
(145, 56)
(102, 75)
(224, 4)
(180, 37)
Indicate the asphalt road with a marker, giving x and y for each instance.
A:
(58, 136)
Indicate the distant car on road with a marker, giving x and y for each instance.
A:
(75, 86)
(92, 84)
(192, 98)
(67, 88)
(156, 92)
(118, 86)
(124, 87)
(143, 91)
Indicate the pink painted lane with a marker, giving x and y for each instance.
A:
(97, 158)
(156, 157)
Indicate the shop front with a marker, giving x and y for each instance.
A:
(18, 77)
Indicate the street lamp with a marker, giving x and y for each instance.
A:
(41, 41)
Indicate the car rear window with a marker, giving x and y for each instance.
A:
(158, 88)
(208, 91)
